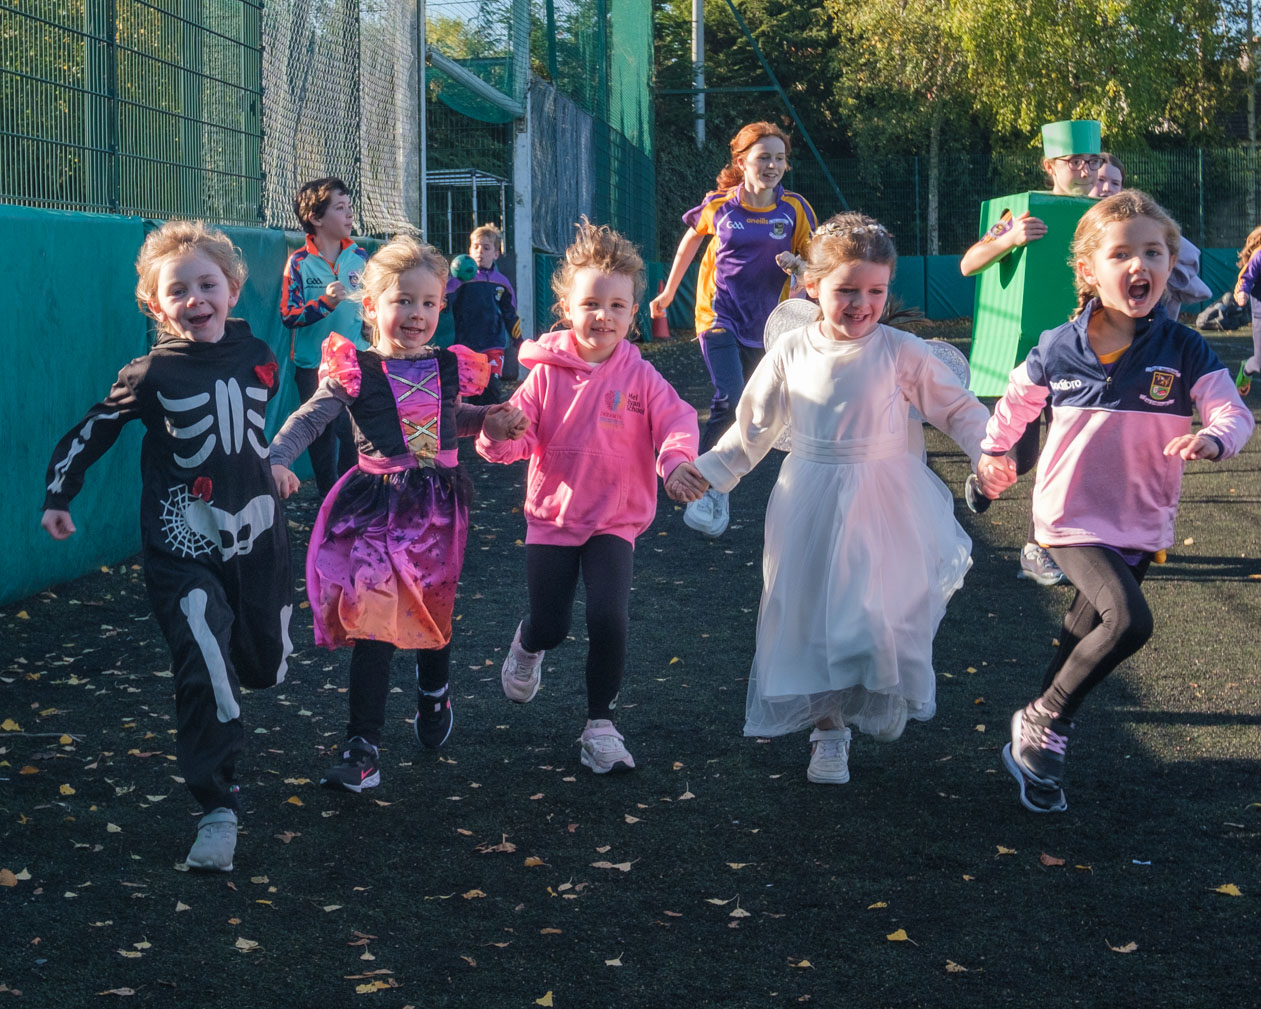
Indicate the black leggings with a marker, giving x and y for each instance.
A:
(1108, 621)
(1025, 452)
(551, 574)
(370, 683)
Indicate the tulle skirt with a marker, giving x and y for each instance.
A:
(860, 560)
(385, 558)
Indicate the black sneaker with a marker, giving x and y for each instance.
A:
(433, 718)
(356, 770)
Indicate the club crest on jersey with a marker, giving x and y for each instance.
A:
(1162, 385)
(778, 229)
(353, 279)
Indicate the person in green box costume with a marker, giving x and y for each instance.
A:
(1025, 285)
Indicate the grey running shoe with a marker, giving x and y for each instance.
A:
(522, 672)
(1037, 566)
(216, 841)
(602, 748)
(1035, 757)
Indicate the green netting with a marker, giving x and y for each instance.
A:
(473, 41)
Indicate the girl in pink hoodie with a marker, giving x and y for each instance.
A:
(601, 420)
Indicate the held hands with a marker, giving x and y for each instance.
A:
(685, 483)
(1026, 229)
(335, 293)
(995, 473)
(287, 483)
(505, 422)
(57, 524)
(1193, 446)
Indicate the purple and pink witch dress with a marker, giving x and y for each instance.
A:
(388, 543)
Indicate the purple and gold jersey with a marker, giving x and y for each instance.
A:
(740, 282)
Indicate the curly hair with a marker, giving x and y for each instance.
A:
(598, 247)
(180, 238)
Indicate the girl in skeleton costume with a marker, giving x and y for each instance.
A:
(388, 544)
(216, 554)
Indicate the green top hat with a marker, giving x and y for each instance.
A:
(1071, 136)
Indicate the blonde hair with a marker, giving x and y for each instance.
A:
(487, 231)
(400, 254)
(1124, 206)
(1250, 246)
(180, 238)
(598, 248)
(845, 238)
(733, 173)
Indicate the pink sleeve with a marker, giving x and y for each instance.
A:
(474, 369)
(1224, 415)
(339, 360)
(1021, 403)
(526, 400)
(675, 433)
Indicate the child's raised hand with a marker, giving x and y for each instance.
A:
(505, 422)
(1027, 228)
(57, 524)
(996, 473)
(287, 482)
(1193, 446)
(335, 292)
(685, 483)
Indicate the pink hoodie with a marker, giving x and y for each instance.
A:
(594, 432)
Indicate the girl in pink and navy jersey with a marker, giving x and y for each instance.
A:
(753, 220)
(602, 424)
(1124, 380)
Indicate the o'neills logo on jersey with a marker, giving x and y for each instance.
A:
(1162, 384)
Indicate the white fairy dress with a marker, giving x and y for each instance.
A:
(862, 550)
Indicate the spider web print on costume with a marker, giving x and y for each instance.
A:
(182, 537)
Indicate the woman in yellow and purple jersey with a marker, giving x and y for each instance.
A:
(752, 220)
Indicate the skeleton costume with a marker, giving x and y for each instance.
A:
(216, 553)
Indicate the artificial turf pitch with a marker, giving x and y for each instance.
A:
(497, 872)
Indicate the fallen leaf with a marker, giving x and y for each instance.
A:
(739, 912)
(181, 906)
(7, 878)
(504, 845)
(880, 903)
(799, 963)
(468, 960)
(954, 968)
(533, 861)
(546, 1000)
(898, 936)
(9, 725)
(719, 901)
(286, 837)
(549, 931)
(113, 828)
(66, 790)
(472, 894)
(1004, 851)
(1229, 889)
(245, 945)
(118, 991)
(631, 819)
(968, 878)
(615, 962)
(1129, 947)
(1050, 860)
(332, 907)
(293, 800)
(620, 866)
(131, 954)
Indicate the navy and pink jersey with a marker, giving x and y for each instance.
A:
(740, 282)
(1103, 477)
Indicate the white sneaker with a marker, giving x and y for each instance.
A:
(522, 673)
(722, 513)
(1037, 566)
(829, 756)
(602, 748)
(216, 841)
(710, 514)
(699, 514)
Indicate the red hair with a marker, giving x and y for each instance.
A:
(749, 135)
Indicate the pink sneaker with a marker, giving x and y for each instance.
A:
(602, 748)
(522, 673)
